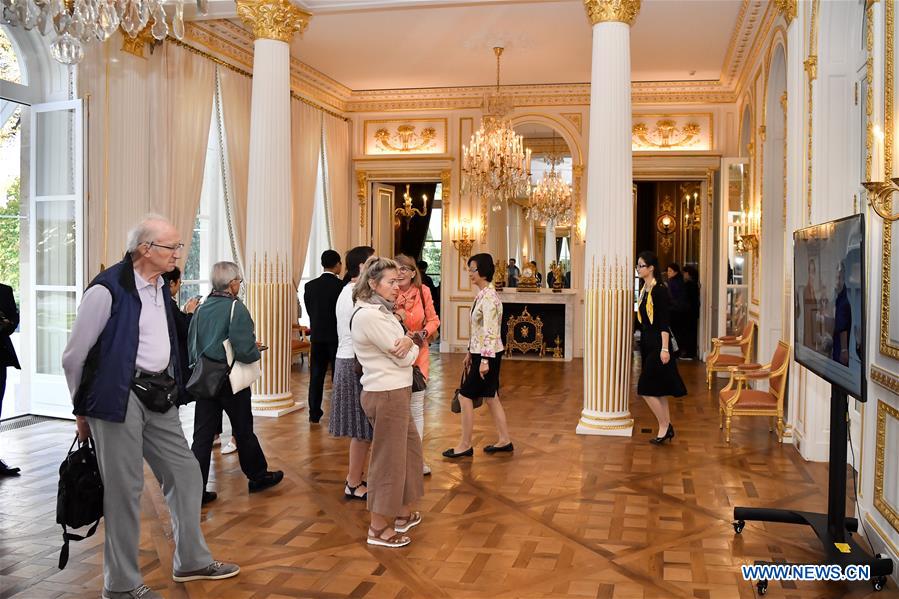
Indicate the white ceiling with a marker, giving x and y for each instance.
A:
(399, 44)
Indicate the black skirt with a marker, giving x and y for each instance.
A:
(475, 386)
(657, 379)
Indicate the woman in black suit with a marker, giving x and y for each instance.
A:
(9, 321)
(658, 376)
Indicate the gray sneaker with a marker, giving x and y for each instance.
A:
(141, 592)
(214, 571)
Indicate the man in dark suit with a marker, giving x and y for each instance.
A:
(320, 297)
(9, 320)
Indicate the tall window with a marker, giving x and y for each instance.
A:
(319, 241)
(211, 241)
(431, 252)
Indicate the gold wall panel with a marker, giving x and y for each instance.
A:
(889, 339)
(886, 500)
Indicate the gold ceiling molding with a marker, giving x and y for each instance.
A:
(275, 20)
(609, 11)
(744, 36)
(787, 8)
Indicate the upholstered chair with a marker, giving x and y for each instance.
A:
(299, 343)
(722, 362)
(739, 399)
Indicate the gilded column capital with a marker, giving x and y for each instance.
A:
(787, 8)
(273, 19)
(605, 11)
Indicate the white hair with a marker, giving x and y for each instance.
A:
(222, 275)
(145, 231)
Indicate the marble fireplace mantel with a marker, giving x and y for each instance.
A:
(567, 298)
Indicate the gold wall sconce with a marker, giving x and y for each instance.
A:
(461, 238)
(879, 199)
(407, 211)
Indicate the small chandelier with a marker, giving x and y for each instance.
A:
(495, 163)
(408, 211)
(79, 22)
(551, 199)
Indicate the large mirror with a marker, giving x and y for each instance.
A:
(524, 236)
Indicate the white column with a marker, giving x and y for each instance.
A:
(271, 297)
(608, 298)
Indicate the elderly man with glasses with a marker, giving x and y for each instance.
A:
(122, 365)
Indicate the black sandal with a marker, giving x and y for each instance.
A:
(350, 492)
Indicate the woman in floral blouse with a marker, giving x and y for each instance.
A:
(481, 366)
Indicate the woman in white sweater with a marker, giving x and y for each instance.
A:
(387, 355)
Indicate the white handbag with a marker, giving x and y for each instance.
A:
(241, 375)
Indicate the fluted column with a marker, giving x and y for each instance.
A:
(608, 298)
(271, 296)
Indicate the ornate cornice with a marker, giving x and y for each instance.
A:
(273, 19)
(606, 11)
(787, 8)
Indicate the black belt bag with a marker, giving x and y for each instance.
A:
(158, 392)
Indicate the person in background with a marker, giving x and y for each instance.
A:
(387, 354)
(347, 418)
(124, 333)
(658, 372)
(223, 316)
(842, 321)
(513, 272)
(415, 309)
(481, 366)
(9, 321)
(426, 279)
(320, 297)
(567, 283)
(688, 346)
(429, 282)
(537, 273)
(674, 280)
(182, 317)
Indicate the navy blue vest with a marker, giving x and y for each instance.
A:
(110, 365)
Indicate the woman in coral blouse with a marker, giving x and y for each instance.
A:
(415, 308)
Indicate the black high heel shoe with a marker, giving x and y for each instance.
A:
(669, 434)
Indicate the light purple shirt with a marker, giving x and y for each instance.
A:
(154, 348)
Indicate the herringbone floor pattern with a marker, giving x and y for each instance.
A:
(565, 516)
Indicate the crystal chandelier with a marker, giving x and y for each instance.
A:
(79, 22)
(551, 199)
(495, 163)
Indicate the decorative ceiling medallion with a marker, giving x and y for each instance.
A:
(408, 136)
(672, 132)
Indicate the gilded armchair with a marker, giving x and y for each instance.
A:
(721, 362)
(739, 399)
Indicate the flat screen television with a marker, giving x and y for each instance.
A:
(829, 302)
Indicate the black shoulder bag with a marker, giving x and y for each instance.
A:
(208, 375)
(79, 499)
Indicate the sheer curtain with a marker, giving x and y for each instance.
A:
(190, 85)
(306, 136)
(236, 92)
(337, 173)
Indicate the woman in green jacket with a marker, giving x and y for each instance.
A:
(223, 316)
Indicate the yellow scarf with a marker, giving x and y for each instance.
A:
(647, 291)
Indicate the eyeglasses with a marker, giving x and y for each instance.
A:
(639, 266)
(174, 248)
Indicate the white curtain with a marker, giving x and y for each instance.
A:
(305, 141)
(236, 96)
(189, 89)
(337, 161)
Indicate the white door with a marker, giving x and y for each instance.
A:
(56, 248)
(382, 219)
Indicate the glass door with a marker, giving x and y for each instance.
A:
(734, 262)
(56, 243)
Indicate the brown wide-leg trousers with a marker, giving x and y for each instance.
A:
(394, 473)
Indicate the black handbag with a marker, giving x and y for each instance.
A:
(158, 392)
(419, 382)
(79, 498)
(207, 378)
(455, 406)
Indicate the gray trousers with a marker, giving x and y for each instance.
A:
(121, 450)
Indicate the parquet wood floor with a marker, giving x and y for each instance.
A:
(565, 516)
